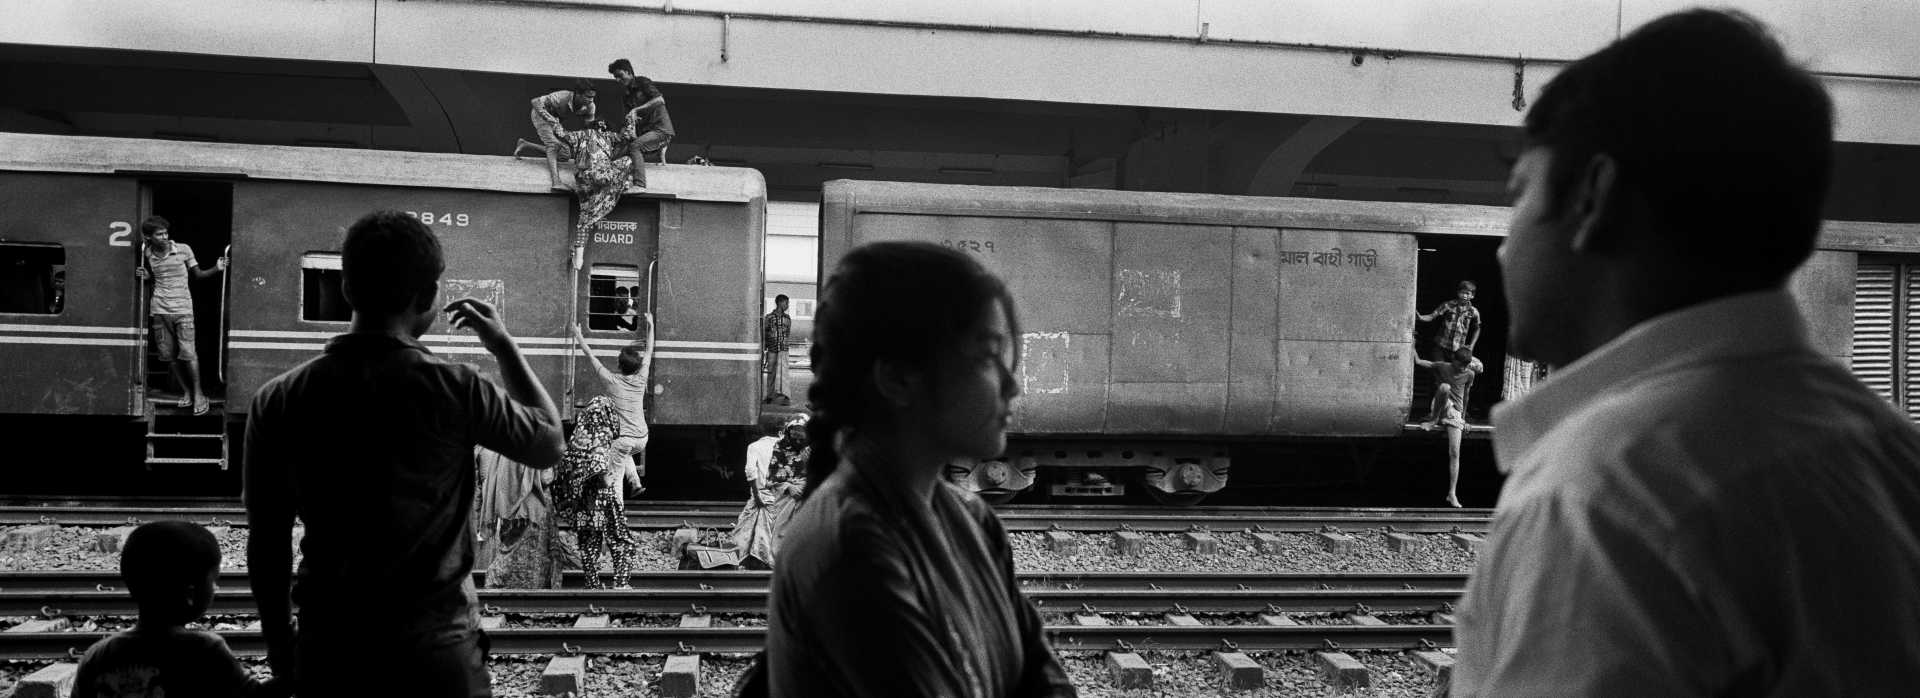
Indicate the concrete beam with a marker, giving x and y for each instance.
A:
(1283, 166)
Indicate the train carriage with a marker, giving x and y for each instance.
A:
(691, 246)
(1160, 329)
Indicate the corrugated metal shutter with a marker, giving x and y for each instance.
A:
(1910, 341)
(1873, 327)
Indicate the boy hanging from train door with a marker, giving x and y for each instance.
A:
(1454, 380)
(168, 265)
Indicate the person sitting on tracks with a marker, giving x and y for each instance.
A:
(1453, 381)
(588, 487)
(892, 581)
(548, 110)
(627, 455)
(371, 445)
(170, 568)
(168, 265)
(1701, 501)
(774, 483)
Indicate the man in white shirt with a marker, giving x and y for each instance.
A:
(1698, 502)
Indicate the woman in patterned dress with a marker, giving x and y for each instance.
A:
(775, 479)
(599, 176)
(592, 490)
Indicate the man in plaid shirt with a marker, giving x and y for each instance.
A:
(774, 330)
(1459, 323)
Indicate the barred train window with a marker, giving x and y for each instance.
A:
(1886, 330)
(614, 298)
(33, 278)
(321, 299)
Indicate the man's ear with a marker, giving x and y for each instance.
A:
(1594, 206)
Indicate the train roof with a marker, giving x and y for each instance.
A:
(845, 197)
(97, 155)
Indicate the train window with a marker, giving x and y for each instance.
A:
(32, 278)
(614, 298)
(321, 299)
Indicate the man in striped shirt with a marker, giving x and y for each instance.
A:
(168, 265)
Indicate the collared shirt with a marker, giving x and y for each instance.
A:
(371, 445)
(774, 330)
(1703, 506)
(1458, 321)
(169, 272)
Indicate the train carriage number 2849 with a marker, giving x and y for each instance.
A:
(428, 217)
(979, 246)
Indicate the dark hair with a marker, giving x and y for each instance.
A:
(779, 297)
(620, 64)
(644, 85)
(1468, 286)
(583, 86)
(1729, 142)
(1463, 355)
(163, 557)
(387, 261)
(154, 224)
(907, 302)
(630, 358)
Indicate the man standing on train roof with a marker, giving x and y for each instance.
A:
(1459, 323)
(775, 329)
(1453, 381)
(168, 265)
(1698, 502)
(371, 444)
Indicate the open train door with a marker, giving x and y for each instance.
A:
(613, 287)
(70, 331)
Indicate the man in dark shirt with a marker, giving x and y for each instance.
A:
(371, 445)
(649, 129)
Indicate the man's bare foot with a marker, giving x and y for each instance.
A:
(1428, 426)
(201, 406)
(1453, 501)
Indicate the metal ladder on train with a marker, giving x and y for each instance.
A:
(174, 435)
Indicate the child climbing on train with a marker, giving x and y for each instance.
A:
(1453, 381)
(170, 569)
(591, 490)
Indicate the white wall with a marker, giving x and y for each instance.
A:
(988, 48)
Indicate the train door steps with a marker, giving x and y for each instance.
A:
(176, 436)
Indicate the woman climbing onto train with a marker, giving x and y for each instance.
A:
(599, 176)
(587, 486)
(892, 582)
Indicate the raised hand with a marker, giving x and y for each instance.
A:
(480, 317)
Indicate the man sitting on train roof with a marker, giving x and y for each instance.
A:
(168, 265)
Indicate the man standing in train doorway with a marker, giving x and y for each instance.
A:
(168, 265)
(774, 331)
(1700, 501)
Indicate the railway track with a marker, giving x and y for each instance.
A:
(90, 594)
(670, 515)
(30, 594)
(552, 641)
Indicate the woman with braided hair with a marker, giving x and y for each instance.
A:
(586, 485)
(891, 581)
